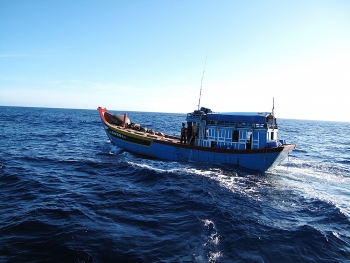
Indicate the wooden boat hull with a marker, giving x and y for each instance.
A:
(169, 148)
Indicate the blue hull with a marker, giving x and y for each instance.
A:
(259, 160)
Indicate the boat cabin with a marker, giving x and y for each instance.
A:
(235, 130)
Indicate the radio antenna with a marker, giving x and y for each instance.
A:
(200, 92)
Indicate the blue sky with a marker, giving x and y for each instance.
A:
(150, 56)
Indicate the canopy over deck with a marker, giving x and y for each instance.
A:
(246, 117)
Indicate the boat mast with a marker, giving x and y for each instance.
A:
(273, 112)
(200, 92)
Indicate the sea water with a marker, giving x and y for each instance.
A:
(68, 195)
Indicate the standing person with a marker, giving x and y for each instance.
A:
(194, 133)
(189, 132)
(183, 133)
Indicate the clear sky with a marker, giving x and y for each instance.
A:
(149, 55)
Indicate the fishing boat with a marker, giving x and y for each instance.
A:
(242, 139)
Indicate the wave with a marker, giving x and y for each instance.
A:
(40, 242)
(336, 168)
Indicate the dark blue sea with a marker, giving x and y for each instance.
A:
(68, 195)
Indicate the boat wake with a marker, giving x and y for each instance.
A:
(318, 181)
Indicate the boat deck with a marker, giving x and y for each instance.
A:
(165, 137)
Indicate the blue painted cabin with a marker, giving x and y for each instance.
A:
(235, 130)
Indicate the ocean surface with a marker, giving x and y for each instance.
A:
(68, 195)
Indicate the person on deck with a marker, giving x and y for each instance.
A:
(194, 133)
(189, 131)
(183, 133)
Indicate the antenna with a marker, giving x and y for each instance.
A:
(200, 92)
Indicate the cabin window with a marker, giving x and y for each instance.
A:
(228, 136)
(222, 134)
(272, 135)
(211, 133)
(235, 135)
(206, 134)
(243, 135)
